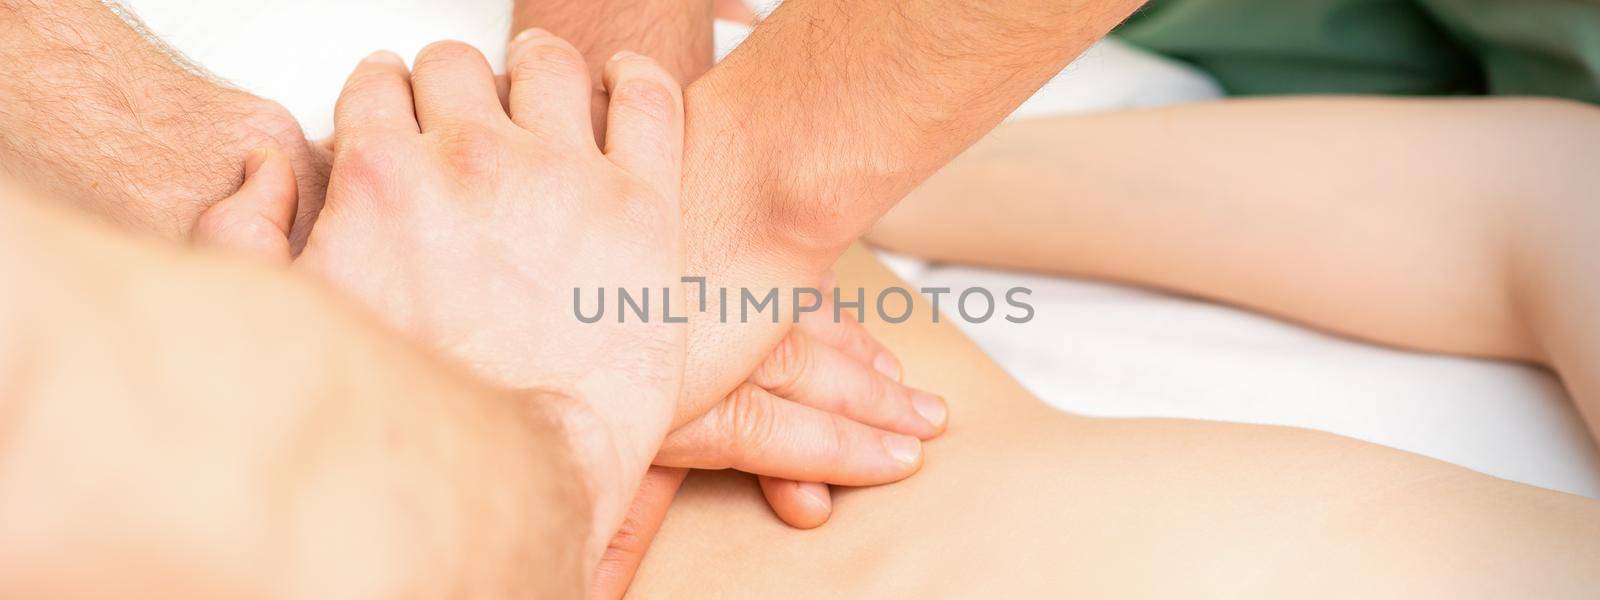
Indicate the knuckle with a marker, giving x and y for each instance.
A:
(254, 229)
(646, 211)
(855, 337)
(748, 419)
(627, 543)
(546, 60)
(444, 52)
(836, 441)
(370, 157)
(236, 227)
(368, 81)
(647, 97)
(785, 368)
(637, 217)
(214, 223)
(881, 392)
(471, 150)
(863, 344)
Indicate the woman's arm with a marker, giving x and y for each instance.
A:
(1464, 226)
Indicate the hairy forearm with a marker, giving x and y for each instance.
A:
(97, 113)
(677, 33)
(838, 108)
(830, 113)
(825, 117)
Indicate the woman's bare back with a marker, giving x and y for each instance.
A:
(1021, 499)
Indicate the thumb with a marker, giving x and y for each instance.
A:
(255, 220)
(627, 547)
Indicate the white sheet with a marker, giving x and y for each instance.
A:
(1093, 348)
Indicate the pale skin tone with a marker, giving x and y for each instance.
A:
(1420, 216)
(848, 105)
(819, 186)
(510, 483)
(777, 220)
(1468, 520)
(946, 235)
(100, 115)
(238, 432)
(97, 114)
(829, 72)
(482, 216)
(1288, 506)
(1019, 499)
(485, 215)
(1455, 226)
(460, 221)
(773, 221)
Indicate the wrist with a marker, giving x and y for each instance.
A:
(758, 175)
(429, 482)
(607, 461)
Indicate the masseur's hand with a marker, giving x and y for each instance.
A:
(470, 225)
(835, 364)
(824, 405)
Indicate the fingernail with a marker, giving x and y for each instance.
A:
(886, 364)
(931, 408)
(622, 55)
(903, 448)
(816, 493)
(254, 160)
(529, 33)
(386, 57)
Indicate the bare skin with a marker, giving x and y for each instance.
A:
(828, 114)
(96, 112)
(1471, 237)
(1019, 499)
(669, 532)
(238, 432)
(1459, 226)
(1273, 497)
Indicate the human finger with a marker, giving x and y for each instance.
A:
(376, 98)
(452, 84)
(549, 87)
(644, 121)
(809, 372)
(757, 432)
(255, 221)
(801, 504)
(626, 550)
